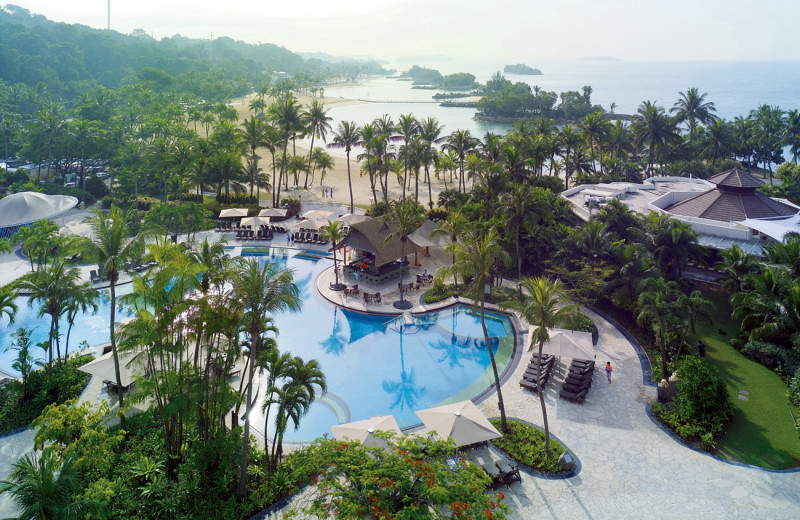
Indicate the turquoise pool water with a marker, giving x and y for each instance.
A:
(376, 365)
(92, 328)
(373, 364)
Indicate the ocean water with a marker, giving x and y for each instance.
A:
(736, 88)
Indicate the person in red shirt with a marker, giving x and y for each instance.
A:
(608, 371)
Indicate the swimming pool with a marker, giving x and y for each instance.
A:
(373, 364)
(376, 364)
(92, 328)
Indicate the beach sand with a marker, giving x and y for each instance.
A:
(336, 179)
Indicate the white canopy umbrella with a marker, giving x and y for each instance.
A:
(463, 422)
(318, 214)
(272, 212)
(309, 224)
(103, 367)
(255, 221)
(350, 218)
(569, 343)
(363, 431)
(233, 213)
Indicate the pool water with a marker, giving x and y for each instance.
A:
(373, 364)
(377, 364)
(92, 328)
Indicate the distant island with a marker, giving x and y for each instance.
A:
(523, 69)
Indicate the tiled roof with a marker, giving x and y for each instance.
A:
(736, 178)
(727, 205)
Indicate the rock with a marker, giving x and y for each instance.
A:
(566, 462)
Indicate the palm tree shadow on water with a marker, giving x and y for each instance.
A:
(335, 342)
(406, 391)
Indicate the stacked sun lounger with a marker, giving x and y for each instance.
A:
(532, 379)
(578, 380)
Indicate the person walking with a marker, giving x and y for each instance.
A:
(608, 371)
(701, 349)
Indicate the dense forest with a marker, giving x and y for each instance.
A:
(70, 59)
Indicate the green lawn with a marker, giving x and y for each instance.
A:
(761, 432)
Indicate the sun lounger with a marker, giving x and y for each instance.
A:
(530, 385)
(494, 473)
(575, 388)
(507, 471)
(573, 396)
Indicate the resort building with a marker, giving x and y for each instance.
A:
(725, 210)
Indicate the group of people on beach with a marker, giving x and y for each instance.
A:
(327, 192)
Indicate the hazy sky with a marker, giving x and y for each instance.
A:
(519, 30)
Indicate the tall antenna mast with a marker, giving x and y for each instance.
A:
(109, 15)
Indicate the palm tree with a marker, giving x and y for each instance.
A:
(653, 129)
(595, 128)
(659, 305)
(113, 245)
(335, 232)
(43, 488)
(692, 108)
(671, 242)
(430, 131)
(735, 266)
(261, 292)
(251, 136)
(82, 298)
(317, 123)
(546, 307)
(717, 140)
(477, 259)
(407, 127)
(323, 161)
(347, 136)
(295, 397)
(286, 115)
(7, 305)
(521, 205)
(52, 287)
(461, 142)
(407, 216)
(454, 226)
(791, 133)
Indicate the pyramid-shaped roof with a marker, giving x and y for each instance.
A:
(736, 178)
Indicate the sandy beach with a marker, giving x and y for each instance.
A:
(336, 179)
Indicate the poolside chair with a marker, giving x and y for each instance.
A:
(508, 471)
(93, 275)
(377, 297)
(578, 397)
(530, 385)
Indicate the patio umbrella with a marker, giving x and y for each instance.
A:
(233, 213)
(569, 343)
(255, 221)
(363, 431)
(318, 214)
(463, 422)
(309, 224)
(103, 367)
(272, 212)
(352, 219)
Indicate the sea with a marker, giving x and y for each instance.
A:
(735, 88)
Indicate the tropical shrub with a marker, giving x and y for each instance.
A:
(67, 382)
(96, 187)
(350, 480)
(773, 356)
(525, 444)
(794, 389)
(701, 407)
